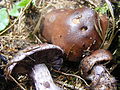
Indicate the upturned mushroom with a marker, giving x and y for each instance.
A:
(96, 57)
(31, 61)
(74, 30)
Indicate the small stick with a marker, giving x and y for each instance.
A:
(38, 39)
(68, 85)
(17, 82)
(37, 26)
(72, 76)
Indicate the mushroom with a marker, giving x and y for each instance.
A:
(101, 79)
(97, 56)
(74, 30)
(42, 78)
(30, 61)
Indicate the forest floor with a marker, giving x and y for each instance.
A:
(23, 30)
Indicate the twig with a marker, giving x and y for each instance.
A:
(38, 39)
(112, 14)
(113, 68)
(19, 22)
(68, 85)
(37, 26)
(98, 31)
(113, 22)
(17, 82)
(2, 66)
(72, 76)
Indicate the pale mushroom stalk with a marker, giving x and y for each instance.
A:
(42, 78)
(101, 79)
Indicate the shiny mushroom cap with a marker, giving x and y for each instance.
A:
(73, 30)
(97, 56)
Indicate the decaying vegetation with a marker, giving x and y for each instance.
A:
(22, 28)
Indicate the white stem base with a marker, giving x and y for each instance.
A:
(42, 78)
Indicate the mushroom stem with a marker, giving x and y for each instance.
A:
(42, 78)
(101, 79)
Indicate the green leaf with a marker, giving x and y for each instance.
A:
(14, 12)
(4, 20)
(102, 9)
(22, 4)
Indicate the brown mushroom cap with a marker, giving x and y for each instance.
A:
(49, 54)
(97, 56)
(73, 30)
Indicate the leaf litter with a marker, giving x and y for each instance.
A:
(24, 31)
